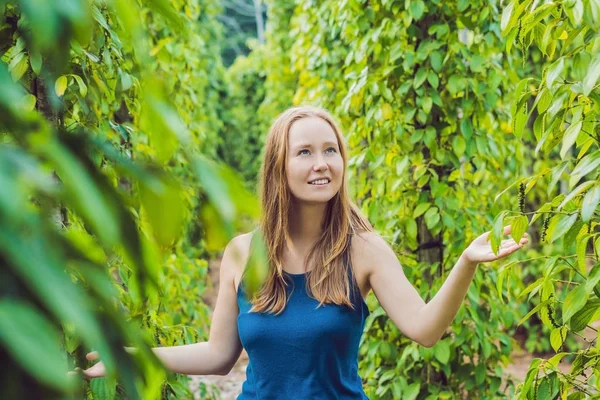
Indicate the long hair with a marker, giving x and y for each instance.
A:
(328, 280)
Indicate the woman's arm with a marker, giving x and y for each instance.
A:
(219, 354)
(421, 322)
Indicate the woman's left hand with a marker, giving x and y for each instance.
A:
(480, 250)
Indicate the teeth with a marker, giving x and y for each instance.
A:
(320, 182)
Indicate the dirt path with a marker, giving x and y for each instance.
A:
(230, 386)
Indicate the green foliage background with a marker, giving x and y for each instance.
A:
(461, 117)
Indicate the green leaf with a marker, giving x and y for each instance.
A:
(531, 287)
(35, 60)
(427, 104)
(60, 85)
(520, 120)
(584, 186)
(257, 265)
(502, 274)
(572, 235)
(82, 86)
(103, 389)
(18, 66)
(432, 217)
(590, 203)
(215, 187)
(518, 227)
(42, 269)
(506, 14)
(561, 226)
(557, 337)
(420, 209)
(412, 391)
(165, 210)
(580, 250)
(535, 309)
(586, 165)
(411, 228)
(83, 192)
(420, 77)
(433, 79)
(557, 173)
(569, 138)
(574, 302)
(29, 102)
(459, 145)
(28, 335)
(593, 277)
(543, 99)
(592, 76)
(436, 61)
(455, 84)
(555, 359)
(126, 81)
(554, 71)
(416, 9)
(441, 351)
(584, 316)
(497, 232)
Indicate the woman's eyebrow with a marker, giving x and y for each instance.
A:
(310, 145)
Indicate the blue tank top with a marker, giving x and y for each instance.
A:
(305, 352)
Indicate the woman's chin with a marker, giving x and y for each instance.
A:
(324, 198)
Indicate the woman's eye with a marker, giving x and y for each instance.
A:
(301, 152)
(331, 150)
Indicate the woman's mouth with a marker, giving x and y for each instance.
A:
(320, 182)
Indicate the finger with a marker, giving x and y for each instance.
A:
(92, 355)
(76, 372)
(89, 373)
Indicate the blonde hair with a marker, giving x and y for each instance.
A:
(328, 281)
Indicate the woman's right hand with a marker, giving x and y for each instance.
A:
(95, 371)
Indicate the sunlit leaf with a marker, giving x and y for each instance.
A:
(60, 85)
(590, 203)
(574, 302)
(518, 227)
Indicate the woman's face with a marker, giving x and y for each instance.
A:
(315, 167)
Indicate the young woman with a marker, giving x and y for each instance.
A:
(302, 329)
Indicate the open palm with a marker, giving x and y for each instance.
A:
(480, 250)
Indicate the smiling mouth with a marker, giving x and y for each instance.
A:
(320, 182)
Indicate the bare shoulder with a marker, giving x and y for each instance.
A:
(368, 243)
(235, 257)
(368, 249)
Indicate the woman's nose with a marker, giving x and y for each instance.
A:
(320, 164)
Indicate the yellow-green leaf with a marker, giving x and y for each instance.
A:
(420, 209)
(28, 101)
(557, 337)
(60, 85)
(580, 251)
(82, 86)
(518, 227)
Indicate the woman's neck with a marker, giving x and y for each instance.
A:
(305, 222)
